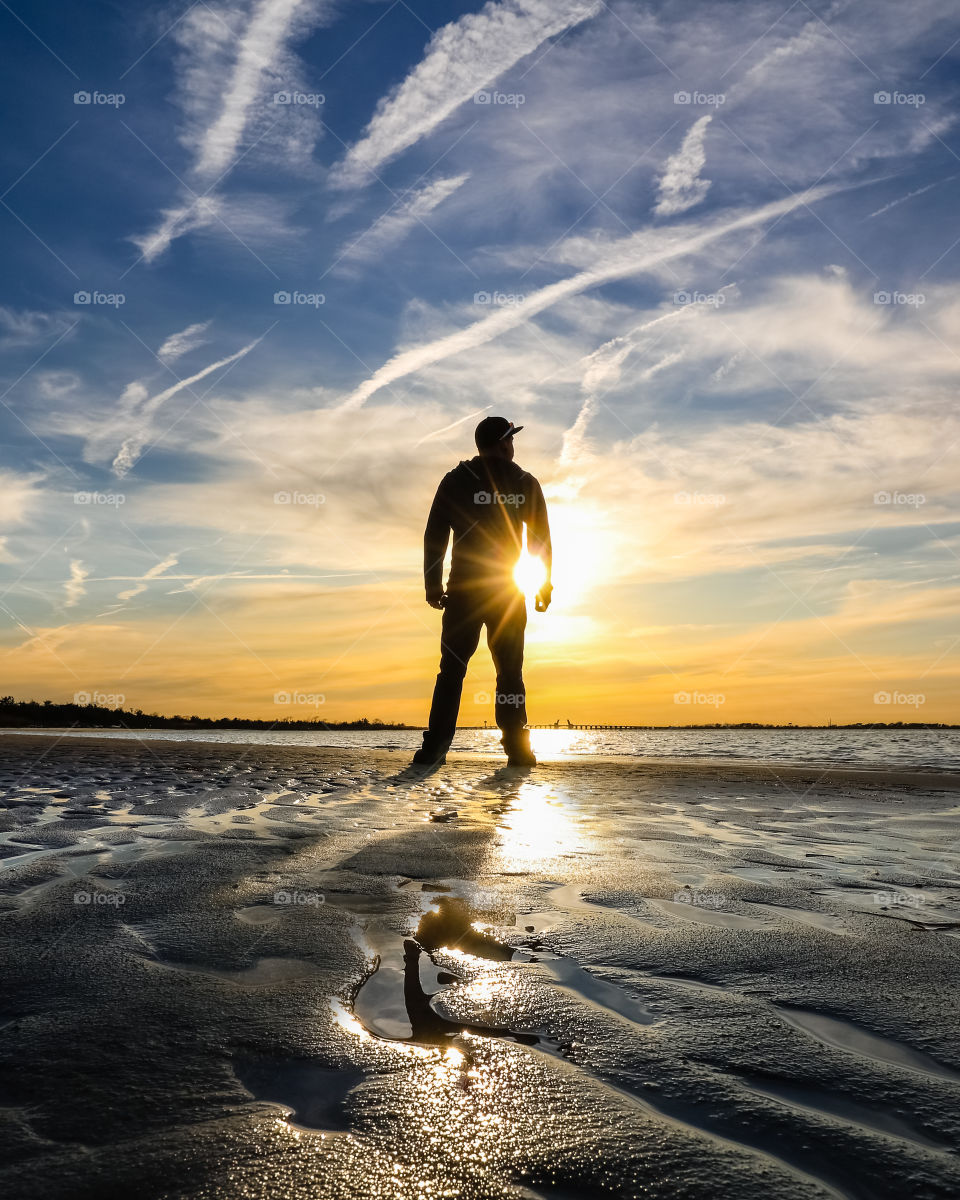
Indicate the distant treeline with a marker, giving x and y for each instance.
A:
(26, 713)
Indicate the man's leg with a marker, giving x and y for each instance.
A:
(459, 638)
(506, 622)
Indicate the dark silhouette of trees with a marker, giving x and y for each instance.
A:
(29, 713)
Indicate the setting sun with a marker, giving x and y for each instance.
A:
(581, 555)
(529, 574)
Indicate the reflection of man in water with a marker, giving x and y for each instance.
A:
(426, 1026)
(445, 927)
(485, 502)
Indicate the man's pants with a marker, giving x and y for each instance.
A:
(504, 612)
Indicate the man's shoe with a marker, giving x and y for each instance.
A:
(518, 750)
(429, 758)
(430, 753)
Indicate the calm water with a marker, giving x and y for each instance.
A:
(916, 749)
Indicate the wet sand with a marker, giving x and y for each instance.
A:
(259, 971)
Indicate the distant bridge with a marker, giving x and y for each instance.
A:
(564, 725)
(568, 725)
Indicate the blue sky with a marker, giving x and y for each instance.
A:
(706, 253)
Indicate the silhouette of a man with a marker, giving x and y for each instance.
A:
(485, 502)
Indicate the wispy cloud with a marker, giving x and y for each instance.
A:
(233, 65)
(680, 185)
(74, 588)
(248, 220)
(178, 344)
(258, 53)
(602, 370)
(197, 213)
(17, 493)
(453, 425)
(909, 196)
(461, 59)
(394, 225)
(620, 259)
(27, 328)
(153, 573)
(140, 408)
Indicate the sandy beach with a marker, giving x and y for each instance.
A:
(261, 971)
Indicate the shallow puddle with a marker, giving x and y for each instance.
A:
(843, 1034)
(313, 1096)
(396, 1000)
(708, 916)
(806, 916)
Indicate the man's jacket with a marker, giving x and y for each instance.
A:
(485, 502)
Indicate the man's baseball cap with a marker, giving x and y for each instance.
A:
(492, 430)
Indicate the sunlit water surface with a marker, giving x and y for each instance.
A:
(904, 749)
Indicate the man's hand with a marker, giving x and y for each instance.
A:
(544, 596)
(436, 598)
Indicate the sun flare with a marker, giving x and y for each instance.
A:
(529, 574)
(580, 554)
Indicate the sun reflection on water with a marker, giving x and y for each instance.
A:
(556, 743)
(547, 744)
(468, 1099)
(536, 825)
(450, 1100)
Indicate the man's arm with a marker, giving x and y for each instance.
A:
(538, 540)
(435, 539)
